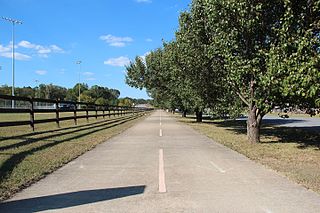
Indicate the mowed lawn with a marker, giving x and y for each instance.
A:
(293, 152)
(27, 156)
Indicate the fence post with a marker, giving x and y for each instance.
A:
(103, 108)
(57, 113)
(75, 113)
(32, 114)
(87, 112)
(96, 108)
(118, 108)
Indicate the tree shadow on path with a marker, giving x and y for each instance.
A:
(72, 199)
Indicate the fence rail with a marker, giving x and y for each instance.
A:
(38, 105)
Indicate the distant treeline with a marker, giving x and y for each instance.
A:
(95, 94)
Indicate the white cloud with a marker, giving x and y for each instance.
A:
(6, 52)
(26, 44)
(56, 49)
(41, 72)
(90, 79)
(116, 41)
(88, 73)
(41, 50)
(4, 49)
(119, 62)
(143, 1)
(148, 40)
(21, 57)
(18, 56)
(144, 56)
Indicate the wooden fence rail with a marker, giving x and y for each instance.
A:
(29, 106)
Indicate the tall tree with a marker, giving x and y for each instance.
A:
(269, 51)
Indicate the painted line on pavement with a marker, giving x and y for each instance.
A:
(162, 183)
(160, 133)
(267, 210)
(217, 167)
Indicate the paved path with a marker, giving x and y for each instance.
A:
(180, 171)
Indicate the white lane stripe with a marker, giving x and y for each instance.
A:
(160, 133)
(217, 167)
(266, 210)
(162, 184)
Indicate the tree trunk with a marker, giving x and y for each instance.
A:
(184, 113)
(253, 126)
(199, 116)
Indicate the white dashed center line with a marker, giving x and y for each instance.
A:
(217, 167)
(162, 184)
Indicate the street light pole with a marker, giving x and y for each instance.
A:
(38, 90)
(79, 85)
(14, 22)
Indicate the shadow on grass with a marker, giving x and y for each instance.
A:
(8, 165)
(54, 130)
(72, 199)
(27, 138)
(303, 136)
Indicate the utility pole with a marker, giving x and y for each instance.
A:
(13, 22)
(38, 90)
(79, 85)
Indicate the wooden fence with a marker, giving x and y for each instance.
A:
(37, 105)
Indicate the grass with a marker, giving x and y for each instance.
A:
(26, 156)
(293, 152)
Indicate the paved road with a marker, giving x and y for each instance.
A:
(306, 122)
(163, 168)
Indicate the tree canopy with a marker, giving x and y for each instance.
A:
(95, 94)
(237, 53)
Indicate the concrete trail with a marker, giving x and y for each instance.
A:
(160, 165)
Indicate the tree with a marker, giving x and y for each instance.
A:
(181, 75)
(265, 64)
(71, 96)
(265, 53)
(101, 101)
(25, 92)
(125, 102)
(114, 96)
(204, 71)
(5, 90)
(86, 98)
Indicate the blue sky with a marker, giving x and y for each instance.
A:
(103, 34)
